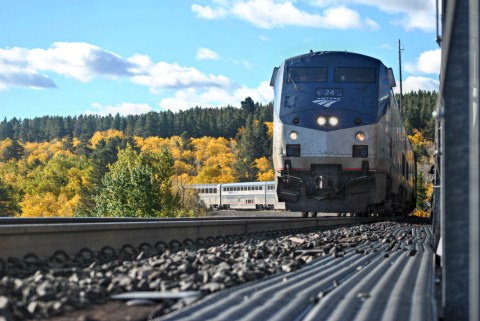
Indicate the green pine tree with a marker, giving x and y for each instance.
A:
(13, 151)
(421, 192)
(8, 200)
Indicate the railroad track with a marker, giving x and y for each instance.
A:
(102, 281)
(43, 237)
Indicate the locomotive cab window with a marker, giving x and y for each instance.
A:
(360, 75)
(307, 74)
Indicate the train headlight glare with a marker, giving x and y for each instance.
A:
(360, 136)
(293, 135)
(321, 120)
(333, 121)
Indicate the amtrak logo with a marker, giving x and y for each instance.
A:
(326, 101)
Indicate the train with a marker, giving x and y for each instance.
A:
(339, 143)
(239, 196)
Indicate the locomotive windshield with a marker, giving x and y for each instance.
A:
(361, 75)
(307, 74)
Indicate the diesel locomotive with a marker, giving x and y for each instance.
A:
(339, 143)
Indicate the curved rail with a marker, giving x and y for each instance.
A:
(45, 236)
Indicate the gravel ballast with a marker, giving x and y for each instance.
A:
(38, 290)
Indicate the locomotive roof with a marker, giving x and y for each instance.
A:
(330, 53)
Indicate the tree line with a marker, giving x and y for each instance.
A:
(195, 122)
(418, 107)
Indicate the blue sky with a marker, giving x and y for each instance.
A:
(77, 57)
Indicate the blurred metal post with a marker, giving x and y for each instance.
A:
(474, 162)
(455, 160)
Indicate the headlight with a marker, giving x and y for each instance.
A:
(321, 120)
(293, 135)
(333, 121)
(360, 136)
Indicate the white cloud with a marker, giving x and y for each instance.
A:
(414, 14)
(15, 71)
(13, 76)
(262, 94)
(427, 63)
(270, 14)
(207, 12)
(123, 109)
(215, 97)
(21, 67)
(415, 83)
(165, 75)
(206, 54)
(420, 20)
(78, 60)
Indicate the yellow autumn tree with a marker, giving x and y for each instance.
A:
(183, 159)
(105, 135)
(53, 189)
(417, 138)
(4, 144)
(269, 125)
(213, 160)
(44, 151)
(420, 145)
(150, 144)
(265, 170)
(202, 160)
(48, 205)
(218, 169)
(14, 172)
(174, 144)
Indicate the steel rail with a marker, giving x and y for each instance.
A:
(76, 220)
(44, 238)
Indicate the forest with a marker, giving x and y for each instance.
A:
(141, 165)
